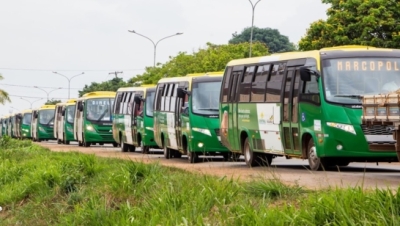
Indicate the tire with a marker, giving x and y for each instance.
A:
(59, 141)
(167, 151)
(177, 154)
(193, 157)
(80, 144)
(124, 147)
(314, 162)
(249, 156)
(85, 144)
(115, 144)
(265, 159)
(227, 156)
(131, 148)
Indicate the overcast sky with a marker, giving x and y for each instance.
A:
(91, 36)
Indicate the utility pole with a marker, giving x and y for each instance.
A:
(116, 73)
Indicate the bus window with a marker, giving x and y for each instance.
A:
(259, 83)
(245, 87)
(225, 90)
(274, 84)
(174, 97)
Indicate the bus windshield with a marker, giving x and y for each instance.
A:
(46, 117)
(27, 119)
(347, 79)
(70, 113)
(99, 109)
(149, 103)
(205, 98)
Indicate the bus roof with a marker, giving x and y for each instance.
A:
(136, 88)
(98, 94)
(303, 54)
(27, 111)
(189, 77)
(44, 107)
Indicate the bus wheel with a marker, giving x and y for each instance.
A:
(85, 144)
(124, 147)
(145, 149)
(265, 159)
(177, 154)
(58, 141)
(226, 156)
(132, 148)
(80, 144)
(249, 156)
(314, 162)
(193, 157)
(167, 151)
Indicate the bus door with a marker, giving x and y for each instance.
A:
(182, 112)
(177, 115)
(233, 130)
(137, 103)
(289, 111)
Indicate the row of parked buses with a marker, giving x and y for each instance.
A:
(301, 104)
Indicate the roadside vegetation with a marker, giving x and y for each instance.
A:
(40, 187)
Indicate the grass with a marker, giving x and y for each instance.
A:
(40, 187)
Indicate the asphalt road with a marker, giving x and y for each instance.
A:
(289, 171)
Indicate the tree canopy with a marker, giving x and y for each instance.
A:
(212, 58)
(4, 97)
(52, 102)
(111, 85)
(356, 22)
(272, 38)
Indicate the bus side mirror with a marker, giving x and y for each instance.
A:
(63, 113)
(181, 92)
(305, 74)
(80, 106)
(35, 115)
(137, 100)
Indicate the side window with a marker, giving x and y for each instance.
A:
(234, 85)
(158, 97)
(310, 91)
(122, 108)
(259, 83)
(174, 97)
(117, 102)
(274, 85)
(168, 97)
(130, 102)
(127, 106)
(163, 96)
(245, 86)
(225, 85)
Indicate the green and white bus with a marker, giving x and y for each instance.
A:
(58, 121)
(2, 120)
(43, 123)
(133, 118)
(307, 105)
(11, 126)
(65, 128)
(25, 124)
(186, 116)
(92, 119)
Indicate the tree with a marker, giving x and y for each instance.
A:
(213, 58)
(4, 97)
(275, 41)
(356, 22)
(111, 85)
(52, 102)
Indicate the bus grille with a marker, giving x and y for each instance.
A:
(377, 130)
(106, 137)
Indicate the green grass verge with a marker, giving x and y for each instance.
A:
(40, 187)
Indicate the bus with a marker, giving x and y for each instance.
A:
(92, 119)
(1, 126)
(307, 105)
(25, 125)
(133, 118)
(186, 116)
(34, 124)
(43, 123)
(65, 128)
(11, 126)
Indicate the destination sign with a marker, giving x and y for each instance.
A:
(367, 65)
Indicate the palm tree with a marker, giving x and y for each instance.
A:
(4, 97)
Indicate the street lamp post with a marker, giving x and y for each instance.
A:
(47, 92)
(31, 102)
(155, 43)
(253, 7)
(69, 80)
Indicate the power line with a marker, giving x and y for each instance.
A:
(5, 84)
(57, 98)
(93, 70)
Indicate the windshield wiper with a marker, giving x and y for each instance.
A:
(50, 121)
(209, 109)
(351, 96)
(102, 116)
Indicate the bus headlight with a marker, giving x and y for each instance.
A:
(345, 127)
(70, 129)
(203, 131)
(42, 130)
(89, 127)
